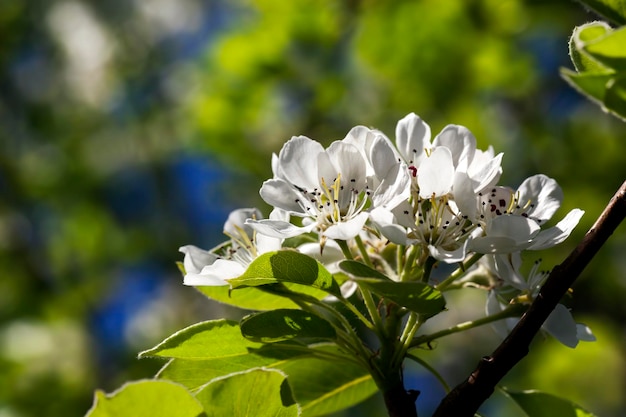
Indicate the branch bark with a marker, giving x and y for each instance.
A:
(464, 400)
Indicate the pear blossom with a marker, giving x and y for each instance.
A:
(511, 286)
(446, 175)
(229, 260)
(511, 220)
(328, 188)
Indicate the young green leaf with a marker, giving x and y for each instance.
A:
(209, 339)
(254, 393)
(322, 387)
(415, 296)
(610, 49)
(540, 404)
(582, 35)
(247, 298)
(147, 398)
(287, 267)
(286, 324)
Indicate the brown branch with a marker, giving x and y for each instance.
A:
(464, 400)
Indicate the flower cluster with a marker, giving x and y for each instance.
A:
(431, 199)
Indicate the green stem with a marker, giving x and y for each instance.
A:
(345, 249)
(359, 315)
(459, 272)
(400, 251)
(346, 336)
(428, 267)
(363, 250)
(511, 311)
(408, 265)
(410, 328)
(372, 309)
(430, 369)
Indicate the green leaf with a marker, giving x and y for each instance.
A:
(248, 298)
(592, 85)
(609, 49)
(322, 387)
(147, 398)
(613, 10)
(615, 99)
(606, 90)
(540, 404)
(254, 393)
(195, 373)
(286, 324)
(287, 266)
(210, 339)
(359, 269)
(581, 36)
(415, 296)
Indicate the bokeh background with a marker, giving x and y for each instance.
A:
(129, 128)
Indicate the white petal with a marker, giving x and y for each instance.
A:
(557, 234)
(495, 244)
(278, 228)
(386, 223)
(329, 257)
(196, 258)
(461, 143)
(519, 228)
(394, 184)
(449, 256)
(507, 268)
(278, 193)
(464, 196)
(350, 164)
(493, 306)
(584, 333)
(347, 229)
(298, 162)
(485, 175)
(412, 138)
(198, 280)
(237, 218)
(436, 174)
(544, 193)
(562, 326)
(215, 274)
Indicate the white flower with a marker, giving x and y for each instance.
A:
(230, 259)
(328, 188)
(511, 220)
(452, 158)
(512, 286)
(446, 176)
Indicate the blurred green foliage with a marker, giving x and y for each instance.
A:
(95, 96)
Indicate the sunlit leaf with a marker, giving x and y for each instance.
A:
(322, 387)
(284, 324)
(581, 36)
(287, 267)
(247, 298)
(147, 398)
(592, 85)
(254, 393)
(540, 404)
(208, 339)
(610, 49)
